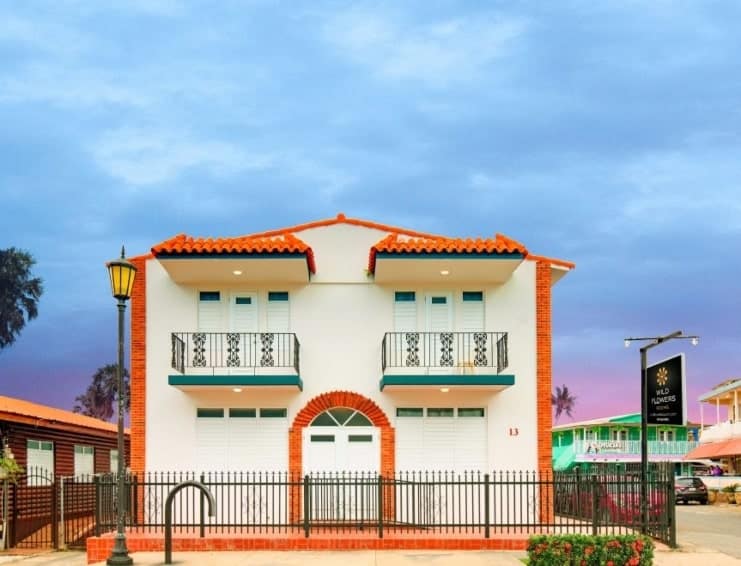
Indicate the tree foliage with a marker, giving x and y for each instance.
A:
(19, 293)
(563, 401)
(100, 396)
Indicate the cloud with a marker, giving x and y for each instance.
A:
(696, 184)
(41, 34)
(70, 88)
(437, 53)
(144, 157)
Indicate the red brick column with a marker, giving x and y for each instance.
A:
(138, 373)
(544, 382)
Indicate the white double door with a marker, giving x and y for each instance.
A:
(343, 465)
(341, 449)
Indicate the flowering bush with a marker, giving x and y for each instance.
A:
(584, 550)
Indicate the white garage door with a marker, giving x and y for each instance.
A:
(242, 439)
(441, 438)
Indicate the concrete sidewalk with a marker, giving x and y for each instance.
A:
(689, 556)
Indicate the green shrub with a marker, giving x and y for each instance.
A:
(585, 550)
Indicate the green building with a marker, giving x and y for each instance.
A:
(617, 440)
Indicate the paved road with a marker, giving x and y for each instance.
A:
(710, 526)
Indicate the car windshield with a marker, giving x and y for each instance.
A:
(689, 482)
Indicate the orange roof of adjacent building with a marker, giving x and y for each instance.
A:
(399, 240)
(10, 406)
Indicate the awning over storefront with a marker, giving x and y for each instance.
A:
(715, 449)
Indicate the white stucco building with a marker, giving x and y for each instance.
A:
(342, 344)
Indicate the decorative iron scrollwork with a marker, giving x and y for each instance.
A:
(479, 339)
(412, 339)
(266, 359)
(199, 349)
(446, 349)
(232, 341)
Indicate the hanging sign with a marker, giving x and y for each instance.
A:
(666, 392)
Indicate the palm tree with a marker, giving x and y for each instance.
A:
(563, 401)
(19, 293)
(98, 399)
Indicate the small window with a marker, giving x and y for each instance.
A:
(84, 463)
(278, 296)
(404, 296)
(242, 413)
(113, 460)
(243, 300)
(210, 413)
(619, 434)
(409, 412)
(39, 462)
(273, 413)
(360, 438)
(439, 300)
(210, 296)
(470, 412)
(440, 412)
(473, 296)
(322, 437)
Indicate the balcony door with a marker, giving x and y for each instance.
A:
(440, 338)
(243, 312)
(439, 312)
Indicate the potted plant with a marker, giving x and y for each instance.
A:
(737, 493)
(712, 495)
(730, 492)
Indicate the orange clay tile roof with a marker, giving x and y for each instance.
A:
(283, 240)
(12, 406)
(500, 244)
(342, 219)
(553, 261)
(283, 243)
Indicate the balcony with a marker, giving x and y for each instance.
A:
(721, 431)
(630, 450)
(235, 359)
(445, 359)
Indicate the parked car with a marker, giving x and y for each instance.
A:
(688, 489)
(617, 502)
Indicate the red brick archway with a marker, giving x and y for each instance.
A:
(332, 399)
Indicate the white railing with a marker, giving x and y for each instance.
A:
(720, 431)
(632, 447)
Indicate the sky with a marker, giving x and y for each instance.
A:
(605, 133)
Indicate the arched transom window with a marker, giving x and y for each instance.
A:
(341, 416)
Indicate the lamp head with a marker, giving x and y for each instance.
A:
(626, 342)
(122, 273)
(695, 340)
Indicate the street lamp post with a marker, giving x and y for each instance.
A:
(654, 341)
(122, 274)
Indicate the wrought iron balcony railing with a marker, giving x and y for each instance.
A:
(462, 352)
(198, 351)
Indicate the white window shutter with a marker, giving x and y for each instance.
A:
(210, 312)
(278, 312)
(405, 312)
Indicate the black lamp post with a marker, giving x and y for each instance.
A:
(654, 341)
(122, 274)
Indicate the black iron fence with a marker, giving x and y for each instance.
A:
(464, 352)
(43, 511)
(426, 503)
(234, 351)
